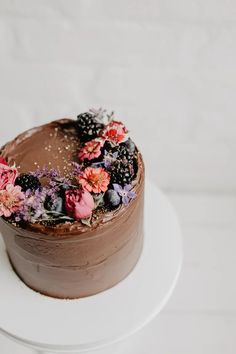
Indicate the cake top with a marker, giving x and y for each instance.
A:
(68, 171)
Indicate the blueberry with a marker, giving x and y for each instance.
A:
(112, 198)
(130, 145)
(56, 205)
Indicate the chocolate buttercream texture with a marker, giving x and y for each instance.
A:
(71, 260)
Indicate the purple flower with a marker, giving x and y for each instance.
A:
(126, 193)
(77, 168)
(109, 158)
(33, 208)
(46, 172)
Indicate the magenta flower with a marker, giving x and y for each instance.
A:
(126, 193)
(11, 199)
(79, 204)
(7, 174)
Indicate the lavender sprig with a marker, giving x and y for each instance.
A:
(77, 168)
(51, 173)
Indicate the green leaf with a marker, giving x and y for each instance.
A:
(86, 221)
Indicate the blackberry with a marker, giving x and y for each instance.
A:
(124, 155)
(27, 181)
(122, 173)
(87, 126)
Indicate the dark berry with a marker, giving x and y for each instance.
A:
(130, 145)
(122, 173)
(87, 126)
(55, 205)
(124, 155)
(27, 181)
(112, 198)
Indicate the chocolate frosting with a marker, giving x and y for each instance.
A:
(71, 260)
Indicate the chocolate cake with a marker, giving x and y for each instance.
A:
(71, 205)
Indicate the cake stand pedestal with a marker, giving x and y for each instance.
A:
(94, 323)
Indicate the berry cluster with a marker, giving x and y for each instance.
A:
(107, 146)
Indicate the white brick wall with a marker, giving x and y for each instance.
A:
(166, 67)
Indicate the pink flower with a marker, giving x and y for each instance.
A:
(114, 131)
(79, 203)
(94, 179)
(90, 150)
(11, 200)
(7, 174)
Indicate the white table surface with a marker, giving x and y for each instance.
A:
(201, 315)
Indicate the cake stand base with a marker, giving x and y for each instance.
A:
(51, 325)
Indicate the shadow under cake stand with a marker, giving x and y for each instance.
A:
(51, 325)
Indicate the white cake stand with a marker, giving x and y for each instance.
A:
(88, 324)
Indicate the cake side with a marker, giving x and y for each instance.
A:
(75, 266)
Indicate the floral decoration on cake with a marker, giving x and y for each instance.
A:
(101, 180)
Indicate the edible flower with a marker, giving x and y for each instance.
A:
(90, 150)
(114, 132)
(94, 180)
(7, 174)
(79, 203)
(11, 200)
(125, 193)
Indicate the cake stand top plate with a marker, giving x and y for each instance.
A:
(112, 315)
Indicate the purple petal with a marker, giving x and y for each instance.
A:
(125, 200)
(115, 154)
(117, 188)
(107, 164)
(128, 187)
(132, 195)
